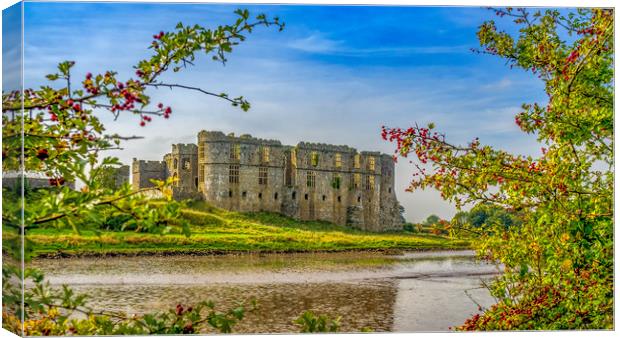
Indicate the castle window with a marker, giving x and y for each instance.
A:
(186, 164)
(306, 197)
(338, 161)
(262, 176)
(229, 193)
(314, 158)
(371, 163)
(336, 182)
(359, 199)
(265, 154)
(275, 196)
(357, 179)
(233, 174)
(196, 181)
(356, 161)
(260, 195)
(369, 183)
(389, 190)
(244, 194)
(235, 152)
(311, 179)
(294, 195)
(324, 197)
(176, 163)
(339, 199)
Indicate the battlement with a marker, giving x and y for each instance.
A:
(218, 136)
(184, 148)
(145, 165)
(326, 147)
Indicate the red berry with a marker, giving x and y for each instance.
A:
(42, 154)
(89, 75)
(142, 124)
(160, 105)
(53, 117)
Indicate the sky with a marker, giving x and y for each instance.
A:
(335, 75)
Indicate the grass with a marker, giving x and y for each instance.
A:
(217, 231)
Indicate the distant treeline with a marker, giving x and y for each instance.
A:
(466, 223)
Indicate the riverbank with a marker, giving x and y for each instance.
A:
(216, 232)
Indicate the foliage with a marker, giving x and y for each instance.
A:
(410, 227)
(107, 177)
(559, 260)
(484, 217)
(56, 130)
(56, 312)
(431, 220)
(312, 323)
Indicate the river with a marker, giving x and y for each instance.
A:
(410, 292)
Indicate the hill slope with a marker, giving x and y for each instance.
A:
(218, 231)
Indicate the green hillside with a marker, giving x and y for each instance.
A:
(217, 231)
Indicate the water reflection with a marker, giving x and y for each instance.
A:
(403, 293)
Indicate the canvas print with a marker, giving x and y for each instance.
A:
(217, 168)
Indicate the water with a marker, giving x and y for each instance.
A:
(423, 291)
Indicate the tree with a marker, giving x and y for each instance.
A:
(431, 220)
(559, 260)
(56, 130)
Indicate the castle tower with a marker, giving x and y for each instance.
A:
(144, 171)
(182, 164)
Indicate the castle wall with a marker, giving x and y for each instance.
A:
(258, 179)
(143, 171)
(390, 211)
(182, 164)
(121, 176)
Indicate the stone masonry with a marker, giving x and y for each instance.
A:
(309, 181)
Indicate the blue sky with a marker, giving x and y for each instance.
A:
(334, 75)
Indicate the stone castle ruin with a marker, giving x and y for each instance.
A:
(309, 181)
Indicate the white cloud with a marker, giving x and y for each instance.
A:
(317, 43)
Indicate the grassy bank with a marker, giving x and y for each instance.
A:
(216, 231)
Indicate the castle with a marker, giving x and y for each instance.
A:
(308, 182)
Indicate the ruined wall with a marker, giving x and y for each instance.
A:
(121, 176)
(182, 164)
(390, 210)
(323, 181)
(242, 173)
(143, 171)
